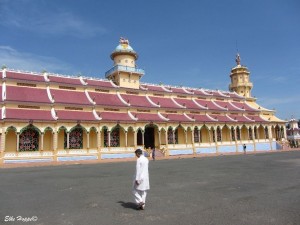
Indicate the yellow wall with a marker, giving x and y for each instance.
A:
(11, 141)
(129, 81)
(163, 134)
(93, 139)
(124, 60)
(189, 136)
(181, 136)
(122, 138)
(48, 140)
(60, 141)
(130, 137)
(204, 135)
(225, 134)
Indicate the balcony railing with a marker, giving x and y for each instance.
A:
(124, 68)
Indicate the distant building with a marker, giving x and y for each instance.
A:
(49, 117)
(293, 133)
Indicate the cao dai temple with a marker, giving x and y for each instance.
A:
(48, 117)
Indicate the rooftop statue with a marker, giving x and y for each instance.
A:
(124, 41)
(238, 59)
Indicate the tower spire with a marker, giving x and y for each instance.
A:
(125, 72)
(240, 79)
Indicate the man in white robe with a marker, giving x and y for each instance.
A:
(141, 180)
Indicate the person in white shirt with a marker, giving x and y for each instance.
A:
(141, 180)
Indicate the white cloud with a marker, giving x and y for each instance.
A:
(31, 16)
(15, 59)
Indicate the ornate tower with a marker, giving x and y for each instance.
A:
(240, 82)
(125, 72)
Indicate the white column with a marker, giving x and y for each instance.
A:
(126, 139)
(143, 138)
(68, 138)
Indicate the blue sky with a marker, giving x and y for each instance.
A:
(190, 43)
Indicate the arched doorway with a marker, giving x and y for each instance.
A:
(139, 137)
(149, 136)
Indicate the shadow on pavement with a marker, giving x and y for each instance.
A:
(128, 205)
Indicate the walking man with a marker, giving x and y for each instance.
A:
(141, 180)
(153, 154)
(244, 148)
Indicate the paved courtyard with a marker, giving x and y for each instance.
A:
(260, 189)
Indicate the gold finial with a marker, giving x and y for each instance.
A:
(238, 59)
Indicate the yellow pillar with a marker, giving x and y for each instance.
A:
(18, 141)
(55, 136)
(42, 141)
(87, 140)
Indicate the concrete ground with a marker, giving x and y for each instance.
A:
(256, 189)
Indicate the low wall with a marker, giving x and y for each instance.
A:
(123, 153)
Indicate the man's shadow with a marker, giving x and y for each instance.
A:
(128, 205)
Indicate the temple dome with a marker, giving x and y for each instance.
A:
(123, 48)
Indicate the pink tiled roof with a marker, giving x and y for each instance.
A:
(209, 104)
(164, 102)
(148, 117)
(216, 93)
(25, 76)
(226, 105)
(199, 92)
(153, 88)
(28, 114)
(243, 106)
(115, 116)
(65, 80)
(178, 90)
(187, 103)
(70, 97)
(75, 115)
(136, 100)
(240, 118)
(99, 83)
(256, 118)
(176, 117)
(26, 94)
(106, 99)
(200, 118)
(235, 95)
(221, 118)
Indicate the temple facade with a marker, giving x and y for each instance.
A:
(293, 133)
(50, 117)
